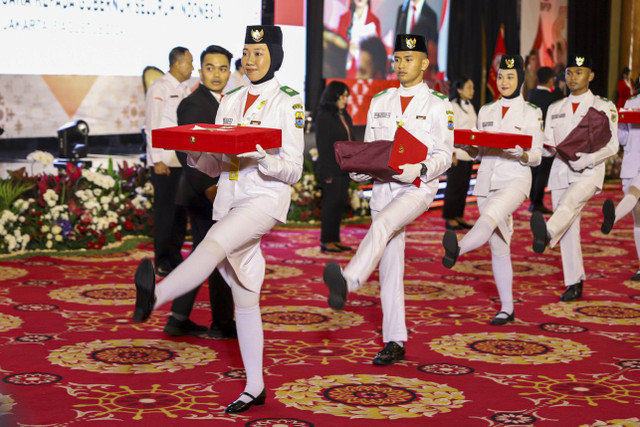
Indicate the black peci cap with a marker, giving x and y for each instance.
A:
(511, 62)
(410, 42)
(579, 60)
(269, 34)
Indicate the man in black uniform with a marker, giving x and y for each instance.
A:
(542, 96)
(196, 192)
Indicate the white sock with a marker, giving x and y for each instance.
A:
(477, 236)
(503, 274)
(251, 342)
(190, 273)
(625, 206)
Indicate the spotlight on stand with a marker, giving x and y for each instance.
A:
(73, 143)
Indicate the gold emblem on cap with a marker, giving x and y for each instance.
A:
(579, 61)
(257, 35)
(411, 43)
(510, 63)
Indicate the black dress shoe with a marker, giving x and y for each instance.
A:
(573, 292)
(450, 226)
(163, 271)
(223, 330)
(499, 321)
(539, 229)
(636, 277)
(391, 352)
(451, 249)
(239, 406)
(145, 280)
(343, 247)
(325, 248)
(609, 212)
(464, 224)
(181, 328)
(337, 286)
(540, 208)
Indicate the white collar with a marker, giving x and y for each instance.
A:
(411, 91)
(540, 87)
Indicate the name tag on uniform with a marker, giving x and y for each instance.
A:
(558, 116)
(383, 115)
(227, 121)
(487, 124)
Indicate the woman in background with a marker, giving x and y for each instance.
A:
(333, 123)
(355, 26)
(458, 175)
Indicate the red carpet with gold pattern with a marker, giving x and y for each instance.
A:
(71, 357)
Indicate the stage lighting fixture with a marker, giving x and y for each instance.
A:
(73, 140)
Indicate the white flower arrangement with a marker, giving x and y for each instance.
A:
(40, 157)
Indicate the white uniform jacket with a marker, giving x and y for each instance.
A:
(265, 185)
(162, 100)
(464, 119)
(429, 118)
(497, 169)
(629, 136)
(561, 121)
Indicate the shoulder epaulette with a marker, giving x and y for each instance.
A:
(633, 97)
(234, 90)
(288, 90)
(558, 100)
(380, 93)
(489, 103)
(533, 105)
(439, 95)
(604, 99)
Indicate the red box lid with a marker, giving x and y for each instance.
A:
(491, 139)
(216, 138)
(629, 115)
(407, 149)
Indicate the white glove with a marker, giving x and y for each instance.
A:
(515, 152)
(410, 172)
(359, 177)
(258, 155)
(585, 160)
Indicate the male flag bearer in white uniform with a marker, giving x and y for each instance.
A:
(573, 184)
(254, 194)
(428, 116)
(503, 182)
(629, 135)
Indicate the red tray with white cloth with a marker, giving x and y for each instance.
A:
(491, 139)
(216, 138)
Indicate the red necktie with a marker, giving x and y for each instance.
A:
(413, 17)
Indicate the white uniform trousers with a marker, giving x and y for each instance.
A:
(564, 226)
(384, 243)
(498, 208)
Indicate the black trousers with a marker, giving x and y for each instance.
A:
(455, 194)
(169, 219)
(220, 296)
(335, 191)
(540, 178)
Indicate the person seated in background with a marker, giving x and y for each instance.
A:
(542, 96)
(196, 192)
(625, 87)
(459, 174)
(503, 183)
(332, 123)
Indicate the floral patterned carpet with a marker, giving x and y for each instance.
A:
(69, 355)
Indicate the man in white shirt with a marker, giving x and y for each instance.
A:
(572, 184)
(428, 116)
(169, 220)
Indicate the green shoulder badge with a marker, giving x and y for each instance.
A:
(533, 105)
(555, 102)
(604, 99)
(288, 91)
(439, 95)
(380, 93)
(633, 97)
(234, 90)
(489, 103)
